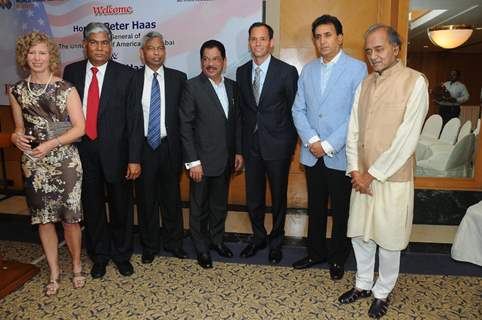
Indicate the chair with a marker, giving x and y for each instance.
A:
(449, 161)
(450, 131)
(432, 127)
(465, 130)
(468, 239)
(447, 137)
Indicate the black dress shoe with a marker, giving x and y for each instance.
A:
(98, 270)
(307, 262)
(125, 268)
(251, 249)
(275, 256)
(147, 258)
(353, 295)
(177, 252)
(336, 271)
(378, 308)
(204, 260)
(222, 250)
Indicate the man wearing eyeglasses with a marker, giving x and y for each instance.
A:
(110, 150)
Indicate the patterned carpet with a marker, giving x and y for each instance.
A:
(178, 289)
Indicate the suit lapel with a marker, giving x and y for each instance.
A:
(105, 91)
(268, 81)
(249, 86)
(230, 94)
(81, 78)
(338, 69)
(316, 82)
(167, 95)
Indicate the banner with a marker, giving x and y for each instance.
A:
(184, 24)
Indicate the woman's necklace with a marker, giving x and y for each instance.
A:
(43, 90)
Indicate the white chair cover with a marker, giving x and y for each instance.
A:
(450, 131)
(432, 127)
(465, 130)
(467, 244)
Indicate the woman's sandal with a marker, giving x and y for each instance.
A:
(78, 280)
(52, 287)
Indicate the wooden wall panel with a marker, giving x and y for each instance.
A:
(12, 154)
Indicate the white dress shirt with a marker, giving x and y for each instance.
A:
(457, 90)
(220, 90)
(146, 98)
(88, 78)
(326, 68)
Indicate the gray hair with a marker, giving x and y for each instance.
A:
(393, 36)
(95, 27)
(149, 36)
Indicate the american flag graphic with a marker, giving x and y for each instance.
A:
(185, 25)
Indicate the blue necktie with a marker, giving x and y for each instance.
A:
(154, 128)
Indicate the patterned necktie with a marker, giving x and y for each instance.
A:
(92, 106)
(154, 127)
(257, 84)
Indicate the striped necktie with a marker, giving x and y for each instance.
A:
(154, 127)
(257, 84)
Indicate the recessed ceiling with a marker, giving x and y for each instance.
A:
(424, 15)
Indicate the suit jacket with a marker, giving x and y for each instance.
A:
(276, 132)
(174, 82)
(206, 133)
(119, 121)
(327, 115)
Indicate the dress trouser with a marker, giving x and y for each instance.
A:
(324, 183)
(158, 187)
(388, 267)
(106, 238)
(277, 172)
(208, 209)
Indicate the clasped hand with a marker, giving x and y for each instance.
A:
(316, 149)
(361, 182)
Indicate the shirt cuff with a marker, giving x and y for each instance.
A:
(329, 150)
(312, 140)
(377, 174)
(189, 165)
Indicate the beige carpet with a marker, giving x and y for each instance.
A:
(178, 289)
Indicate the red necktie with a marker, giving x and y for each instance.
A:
(92, 106)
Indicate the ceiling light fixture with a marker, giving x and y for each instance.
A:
(450, 36)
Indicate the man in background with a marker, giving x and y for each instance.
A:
(450, 96)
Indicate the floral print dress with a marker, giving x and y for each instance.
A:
(53, 183)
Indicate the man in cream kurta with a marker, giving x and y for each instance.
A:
(389, 108)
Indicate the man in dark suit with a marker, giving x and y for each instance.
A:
(211, 139)
(158, 94)
(110, 150)
(267, 91)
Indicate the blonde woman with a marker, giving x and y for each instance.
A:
(48, 117)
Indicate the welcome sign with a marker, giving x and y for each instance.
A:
(185, 25)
